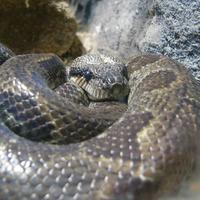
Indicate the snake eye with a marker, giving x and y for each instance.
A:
(87, 74)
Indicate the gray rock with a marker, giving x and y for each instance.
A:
(174, 30)
(116, 24)
(168, 27)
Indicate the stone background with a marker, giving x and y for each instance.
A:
(129, 27)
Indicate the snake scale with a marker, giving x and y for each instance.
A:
(147, 152)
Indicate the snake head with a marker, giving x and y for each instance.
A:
(102, 79)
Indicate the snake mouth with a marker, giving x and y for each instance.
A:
(114, 92)
(92, 92)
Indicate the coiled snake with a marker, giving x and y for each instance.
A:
(146, 152)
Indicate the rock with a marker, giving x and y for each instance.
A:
(38, 26)
(116, 24)
(129, 27)
(174, 30)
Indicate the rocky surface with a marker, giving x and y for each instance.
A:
(128, 27)
(174, 30)
(39, 26)
(116, 25)
(168, 27)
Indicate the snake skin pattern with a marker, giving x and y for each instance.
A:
(147, 152)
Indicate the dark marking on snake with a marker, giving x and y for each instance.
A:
(165, 78)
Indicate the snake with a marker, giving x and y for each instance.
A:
(54, 148)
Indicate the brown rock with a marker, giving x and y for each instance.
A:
(38, 26)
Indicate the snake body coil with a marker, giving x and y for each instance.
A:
(145, 153)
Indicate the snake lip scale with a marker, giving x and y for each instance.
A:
(146, 153)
